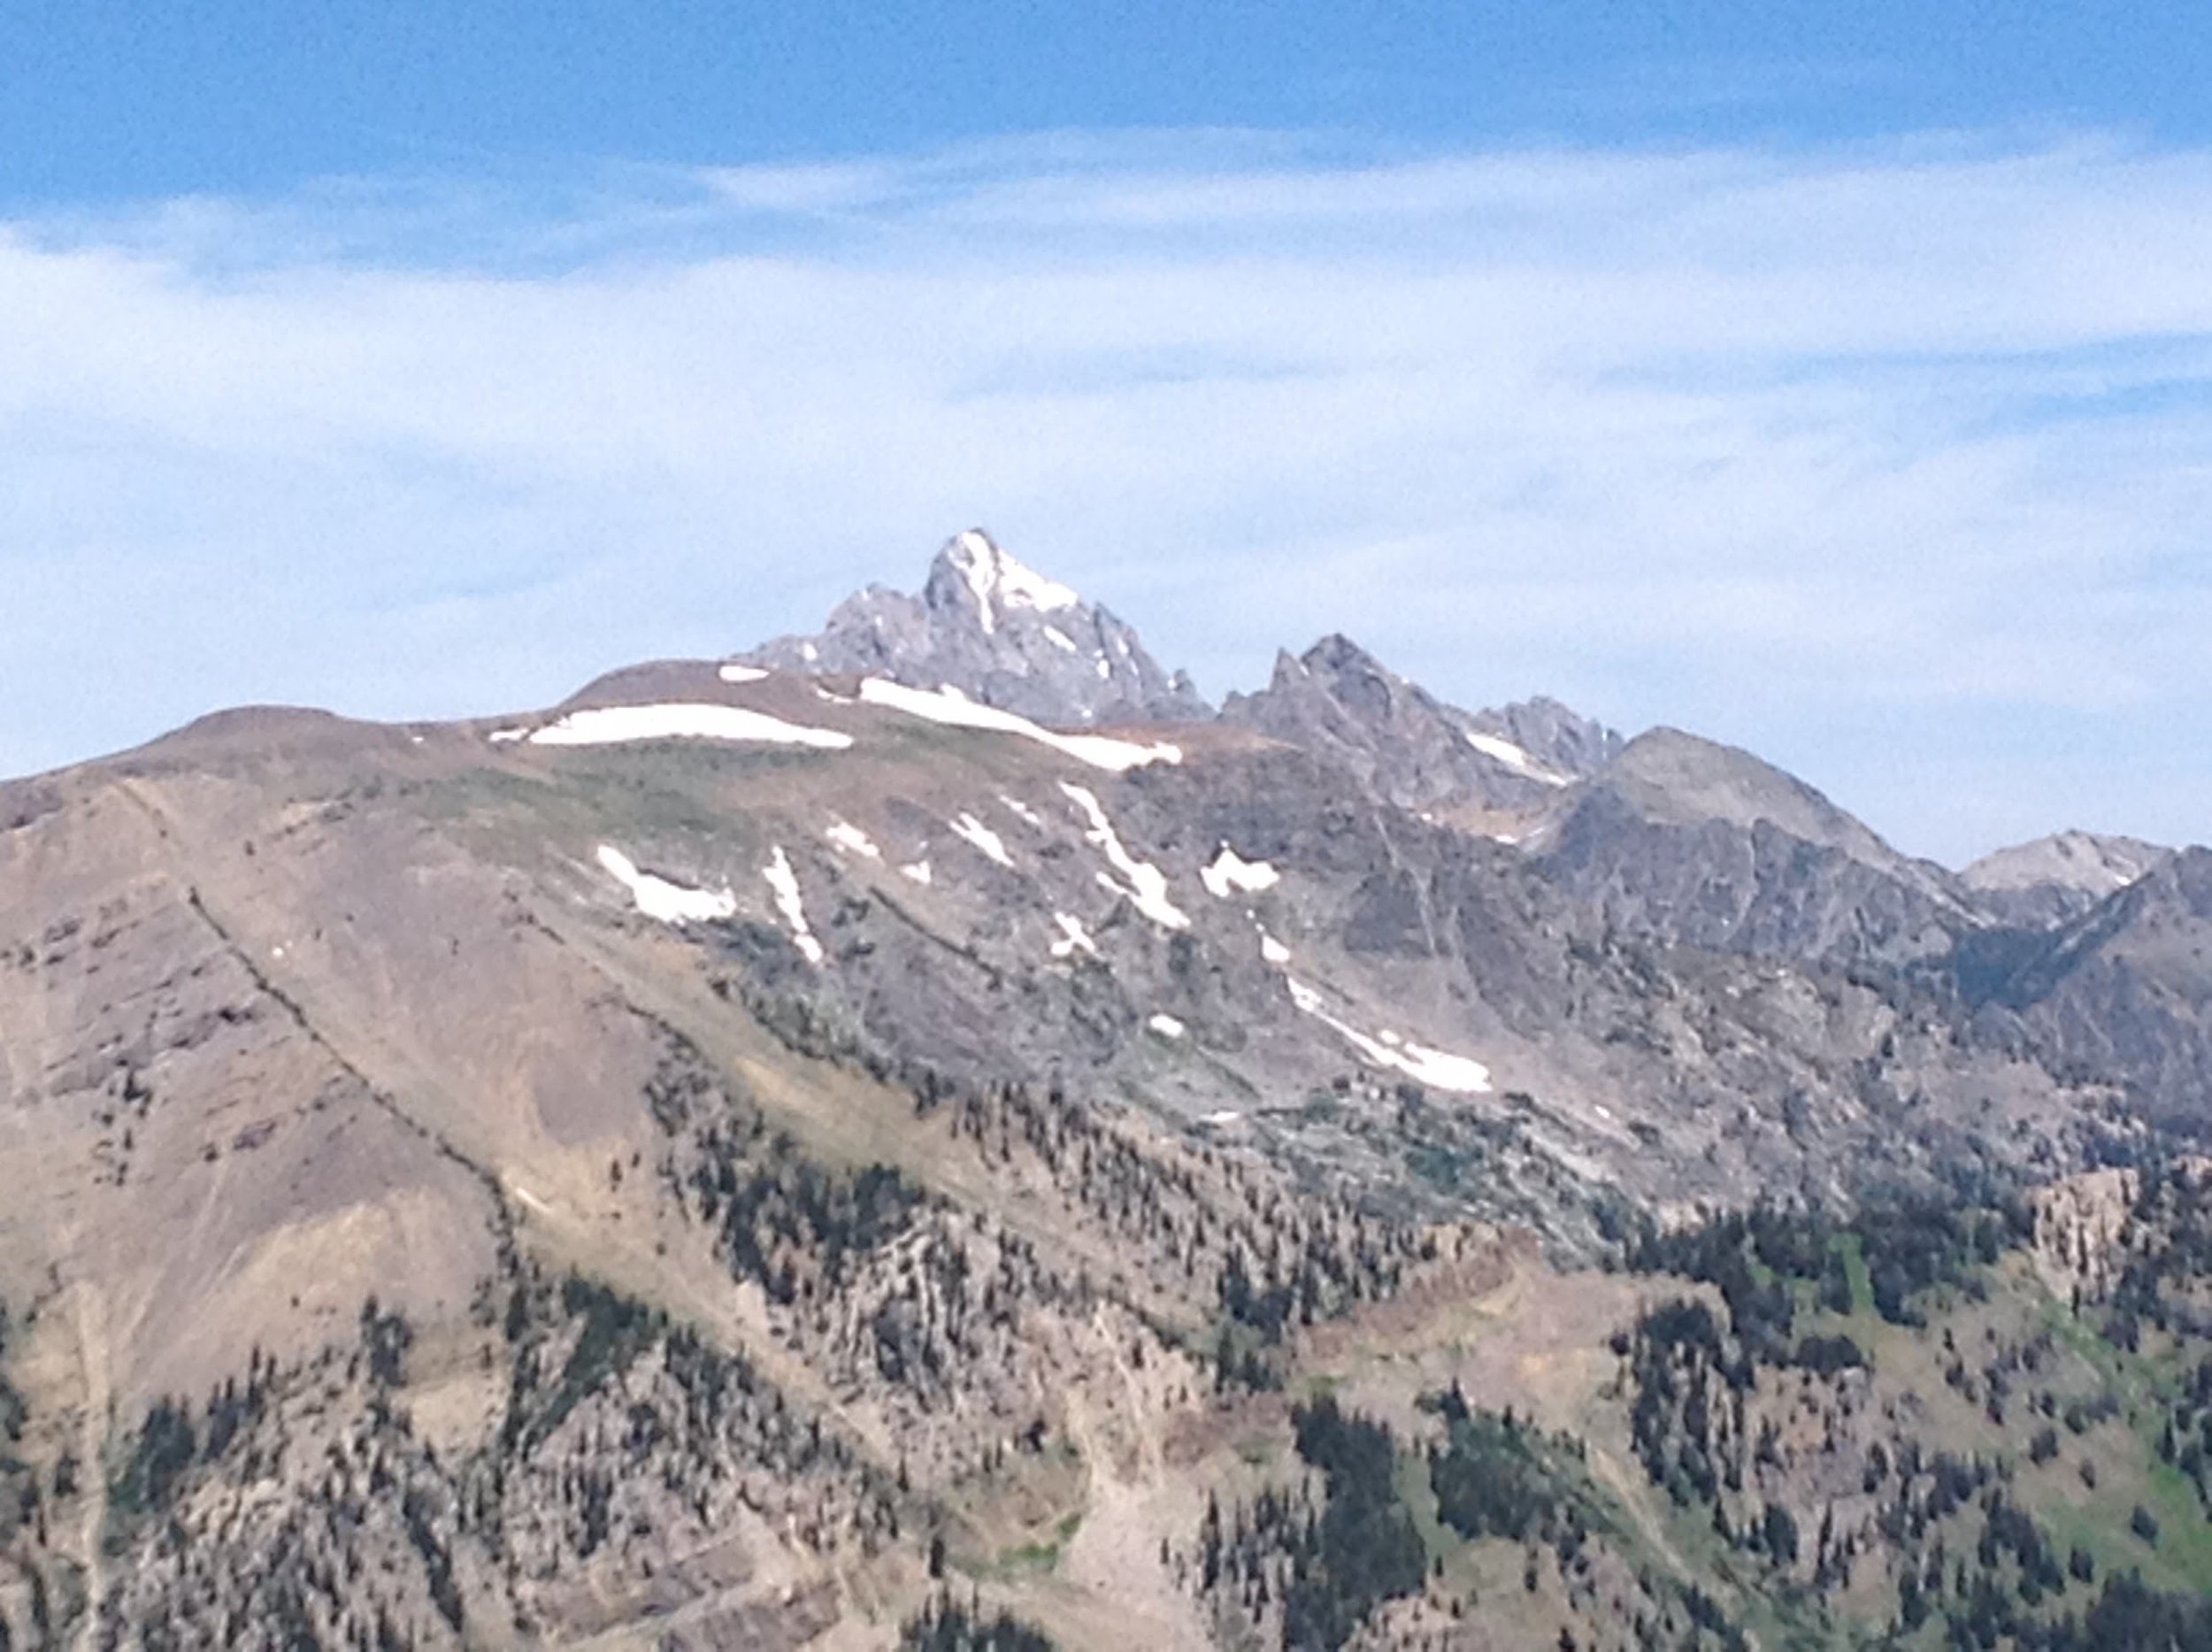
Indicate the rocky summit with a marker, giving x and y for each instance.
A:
(926, 1136)
(999, 632)
(1413, 751)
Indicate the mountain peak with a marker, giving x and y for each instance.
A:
(987, 624)
(1682, 778)
(2059, 877)
(1338, 652)
(995, 580)
(2094, 863)
(1413, 748)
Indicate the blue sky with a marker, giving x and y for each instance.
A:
(1833, 381)
(111, 99)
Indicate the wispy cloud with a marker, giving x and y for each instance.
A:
(1879, 460)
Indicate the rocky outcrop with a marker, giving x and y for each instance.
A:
(1000, 632)
(2053, 878)
(1413, 750)
(1554, 736)
(2123, 992)
(1690, 842)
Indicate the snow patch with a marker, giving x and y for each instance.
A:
(1441, 1070)
(997, 580)
(1021, 586)
(1023, 812)
(657, 897)
(1231, 872)
(1437, 1068)
(1505, 752)
(1072, 937)
(990, 842)
(742, 673)
(784, 883)
(501, 736)
(616, 725)
(956, 709)
(853, 839)
(1167, 1026)
(1060, 639)
(1147, 887)
(828, 698)
(918, 870)
(1273, 950)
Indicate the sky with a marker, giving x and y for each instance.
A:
(1835, 381)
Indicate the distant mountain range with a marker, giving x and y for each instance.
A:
(674, 1165)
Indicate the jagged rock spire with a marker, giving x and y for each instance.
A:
(1000, 632)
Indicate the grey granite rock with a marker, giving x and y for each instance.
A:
(1412, 750)
(1000, 633)
(1688, 841)
(2053, 879)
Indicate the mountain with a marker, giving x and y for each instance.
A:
(799, 1152)
(2052, 878)
(1546, 736)
(2123, 991)
(1412, 750)
(1688, 842)
(1001, 634)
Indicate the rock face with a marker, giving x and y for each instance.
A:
(1551, 735)
(1410, 748)
(2053, 878)
(1688, 842)
(1000, 632)
(2125, 990)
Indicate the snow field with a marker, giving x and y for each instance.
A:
(1231, 873)
(620, 725)
(1147, 886)
(784, 883)
(658, 898)
(1438, 1069)
(971, 830)
(957, 710)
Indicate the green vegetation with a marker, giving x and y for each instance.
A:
(161, 1451)
(943, 1625)
(1033, 1558)
(1771, 1264)
(2046, 1486)
(615, 1329)
(18, 1483)
(14, 1411)
(1365, 1549)
(1318, 1571)
(1494, 1477)
(780, 1217)
(385, 1339)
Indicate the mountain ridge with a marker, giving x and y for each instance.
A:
(974, 588)
(990, 626)
(754, 1155)
(1415, 750)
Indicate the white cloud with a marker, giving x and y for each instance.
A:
(1762, 443)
